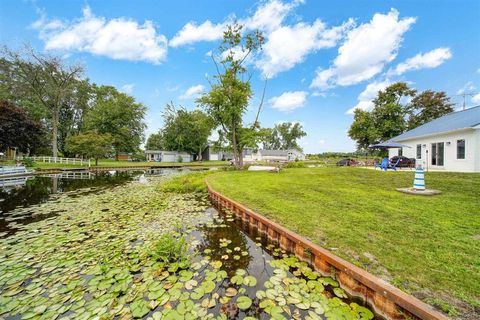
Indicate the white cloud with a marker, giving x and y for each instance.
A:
(193, 92)
(191, 33)
(121, 38)
(427, 60)
(127, 88)
(286, 45)
(366, 96)
(288, 101)
(476, 98)
(269, 16)
(469, 86)
(366, 50)
(289, 45)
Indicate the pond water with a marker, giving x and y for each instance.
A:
(23, 192)
(102, 255)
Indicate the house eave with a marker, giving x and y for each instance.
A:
(435, 134)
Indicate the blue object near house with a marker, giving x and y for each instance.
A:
(385, 164)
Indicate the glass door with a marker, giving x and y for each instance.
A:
(437, 153)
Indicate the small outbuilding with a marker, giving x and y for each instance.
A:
(450, 143)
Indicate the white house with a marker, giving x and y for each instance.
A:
(167, 156)
(213, 154)
(272, 155)
(450, 143)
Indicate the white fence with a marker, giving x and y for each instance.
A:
(12, 170)
(13, 182)
(72, 175)
(82, 162)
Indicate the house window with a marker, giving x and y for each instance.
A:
(400, 152)
(419, 151)
(461, 149)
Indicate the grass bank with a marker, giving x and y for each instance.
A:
(427, 246)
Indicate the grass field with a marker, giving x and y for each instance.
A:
(428, 246)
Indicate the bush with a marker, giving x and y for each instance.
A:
(179, 159)
(28, 162)
(169, 249)
(139, 156)
(296, 164)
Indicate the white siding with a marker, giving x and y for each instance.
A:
(471, 163)
(169, 158)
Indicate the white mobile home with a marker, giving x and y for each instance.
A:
(167, 156)
(273, 155)
(450, 143)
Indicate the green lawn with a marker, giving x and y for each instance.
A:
(428, 246)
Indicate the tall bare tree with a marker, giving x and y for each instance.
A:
(48, 78)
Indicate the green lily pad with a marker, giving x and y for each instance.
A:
(244, 302)
(139, 308)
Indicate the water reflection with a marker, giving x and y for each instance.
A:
(34, 190)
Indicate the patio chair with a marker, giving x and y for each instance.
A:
(382, 165)
(393, 166)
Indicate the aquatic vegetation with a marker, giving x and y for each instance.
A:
(135, 252)
(170, 249)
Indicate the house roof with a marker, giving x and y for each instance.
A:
(166, 152)
(273, 152)
(277, 152)
(464, 119)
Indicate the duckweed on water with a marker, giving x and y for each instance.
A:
(134, 252)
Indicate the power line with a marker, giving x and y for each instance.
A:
(465, 95)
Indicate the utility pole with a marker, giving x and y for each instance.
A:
(465, 95)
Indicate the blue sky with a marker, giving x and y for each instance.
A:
(321, 58)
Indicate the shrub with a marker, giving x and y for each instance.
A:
(169, 249)
(296, 164)
(179, 159)
(28, 162)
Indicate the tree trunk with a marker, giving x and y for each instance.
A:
(240, 158)
(199, 154)
(235, 150)
(96, 161)
(55, 132)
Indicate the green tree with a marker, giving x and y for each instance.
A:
(17, 130)
(186, 130)
(386, 120)
(392, 114)
(228, 98)
(90, 144)
(46, 79)
(119, 115)
(362, 129)
(155, 142)
(286, 135)
(73, 112)
(427, 106)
